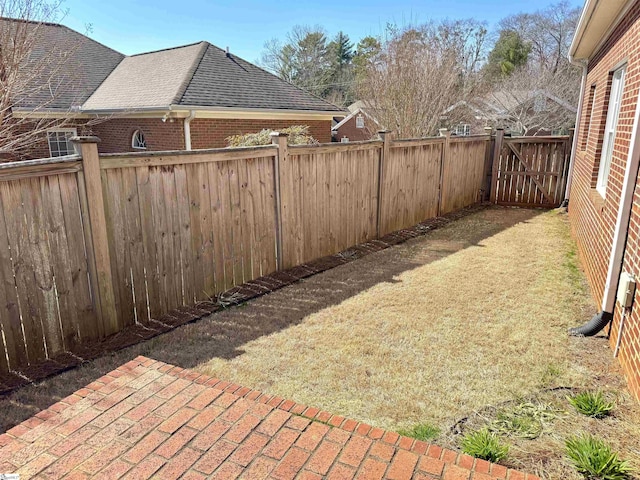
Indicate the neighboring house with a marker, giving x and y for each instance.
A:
(520, 112)
(187, 97)
(359, 125)
(604, 200)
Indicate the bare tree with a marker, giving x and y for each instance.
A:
(419, 72)
(549, 33)
(531, 102)
(36, 72)
(541, 95)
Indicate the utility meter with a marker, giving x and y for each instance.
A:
(626, 290)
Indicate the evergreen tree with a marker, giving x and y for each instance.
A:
(509, 53)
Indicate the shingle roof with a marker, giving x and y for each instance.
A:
(231, 82)
(98, 78)
(155, 79)
(70, 66)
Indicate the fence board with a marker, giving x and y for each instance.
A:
(411, 175)
(10, 322)
(182, 233)
(464, 173)
(324, 207)
(46, 303)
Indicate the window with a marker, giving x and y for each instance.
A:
(359, 121)
(462, 130)
(138, 141)
(589, 117)
(613, 111)
(60, 142)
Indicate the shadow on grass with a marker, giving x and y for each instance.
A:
(222, 334)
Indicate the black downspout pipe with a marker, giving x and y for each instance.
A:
(593, 326)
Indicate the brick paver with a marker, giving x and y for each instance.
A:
(148, 419)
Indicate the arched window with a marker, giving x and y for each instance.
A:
(138, 141)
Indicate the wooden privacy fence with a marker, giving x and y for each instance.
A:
(530, 171)
(90, 244)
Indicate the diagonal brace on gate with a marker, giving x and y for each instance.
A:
(531, 173)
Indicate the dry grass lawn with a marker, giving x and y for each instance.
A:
(473, 324)
(445, 327)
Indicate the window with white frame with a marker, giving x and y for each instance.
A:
(462, 130)
(359, 121)
(613, 112)
(138, 141)
(60, 141)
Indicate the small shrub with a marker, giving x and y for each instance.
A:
(595, 460)
(298, 135)
(484, 444)
(421, 431)
(591, 404)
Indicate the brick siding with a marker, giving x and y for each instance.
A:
(116, 134)
(212, 132)
(353, 133)
(592, 217)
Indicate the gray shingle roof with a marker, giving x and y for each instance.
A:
(98, 78)
(231, 82)
(155, 79)
(70, 66)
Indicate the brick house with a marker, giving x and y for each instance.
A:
(187, 97)
(359, 125)
(604, 193)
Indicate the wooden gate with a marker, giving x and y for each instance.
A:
(530, 171)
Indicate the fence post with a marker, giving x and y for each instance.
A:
(497, 149)
(444, 157)
(106, 307)
(387, 137)
(488, 162)
(279, 139)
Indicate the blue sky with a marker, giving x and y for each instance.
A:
(135, 26)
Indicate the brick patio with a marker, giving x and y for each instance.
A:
(150, 419)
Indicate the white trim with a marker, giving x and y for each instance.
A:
(133, 139)
(610, 129)
(351, 115)
(61, 130)
(624, 215)
(576, 129)
(345, 120)
(597, 21)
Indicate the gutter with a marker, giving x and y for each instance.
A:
(187, 130)
(283, 111)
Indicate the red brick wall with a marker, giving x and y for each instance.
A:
(116, 134)
(354, 134)
(592, 217)
(212, 132)
(37, 147)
